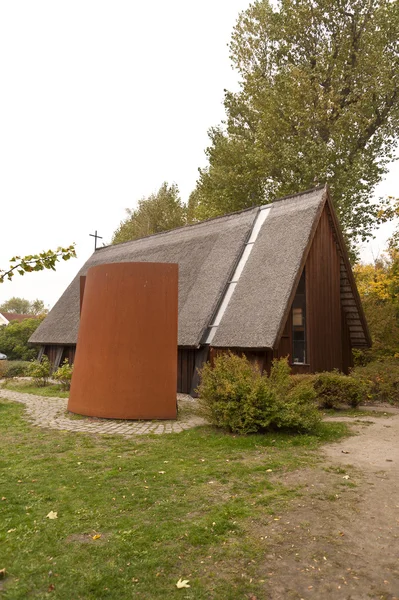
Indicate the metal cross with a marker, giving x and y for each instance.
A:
(96, 237)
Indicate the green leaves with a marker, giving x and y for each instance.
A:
(159, 212)
(22, 306)
(318, 103)
(14, 339)
(37, 262)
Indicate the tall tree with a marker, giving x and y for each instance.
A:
(20, 306)
(37, 307)
(159, 212)
(318, 102)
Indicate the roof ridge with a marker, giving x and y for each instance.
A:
(151, 235)
(237, 212)
(318, 188)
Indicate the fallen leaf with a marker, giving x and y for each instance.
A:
(2, 573)
(345, 452)
(51, 587)
(4, 498)
(96, 537)
(52, 515)
(345, 477)
(162, 472)
(11, 530)
(182, 583)
(269, 470)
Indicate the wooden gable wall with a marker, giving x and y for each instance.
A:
(328, 345)
(323, 299)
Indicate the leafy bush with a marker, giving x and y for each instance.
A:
(381, 378)
(234, 395)
(14, 339)
(64, 375)
(4, 364)
(298, 410)
(40, 371)
(335, 390)
(17, 368)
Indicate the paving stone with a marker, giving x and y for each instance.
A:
(52, 413)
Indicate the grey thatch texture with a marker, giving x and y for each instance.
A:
(206, 254)
(256, 309)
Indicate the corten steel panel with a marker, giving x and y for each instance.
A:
(126, 356)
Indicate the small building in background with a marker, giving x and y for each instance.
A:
(6, 318)
(267, 282)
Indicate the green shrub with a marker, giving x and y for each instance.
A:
(14, 339)
(225, 392)
(15, 368)
(64, 375)
(40, 371)
(335, 390)
(298, 410)
(235, 396)
(4, 364)
(381, 378)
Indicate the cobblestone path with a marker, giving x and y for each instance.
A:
(52, 413)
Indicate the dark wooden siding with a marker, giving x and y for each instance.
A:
(325, 343)
(51, 353)
(185, 370)
(69, 353)
(347, 356)
(324, 300)
(57, 354)
(285, 345)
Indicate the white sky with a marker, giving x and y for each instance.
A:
(101, 102)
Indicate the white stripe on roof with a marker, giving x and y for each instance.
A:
(259, 221)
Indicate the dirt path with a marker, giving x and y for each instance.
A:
(342, 539)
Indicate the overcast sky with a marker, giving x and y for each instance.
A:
(101, 102)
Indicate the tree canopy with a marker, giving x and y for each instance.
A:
(24, 307)
(159, 212)
(318, 102)
(378, 286)
(14, 339)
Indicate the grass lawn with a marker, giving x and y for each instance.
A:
(180, 505)
(28, 387)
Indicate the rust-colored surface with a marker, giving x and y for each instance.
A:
(82, 290)
(126, 357)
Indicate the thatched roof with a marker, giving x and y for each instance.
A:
(256, 309)
(206, 253)
(253, 315)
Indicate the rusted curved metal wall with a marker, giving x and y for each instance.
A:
(126, 357)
